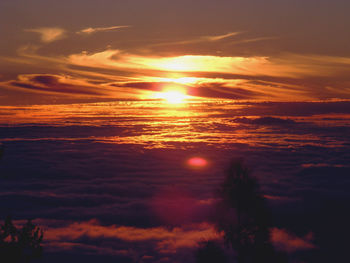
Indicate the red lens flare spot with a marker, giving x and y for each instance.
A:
(174, 206)
(197, 162)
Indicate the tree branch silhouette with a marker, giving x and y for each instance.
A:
(20, 244)
(243, 217)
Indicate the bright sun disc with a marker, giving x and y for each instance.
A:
(172, 96)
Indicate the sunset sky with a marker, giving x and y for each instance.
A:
(118, 120)
(74, 51)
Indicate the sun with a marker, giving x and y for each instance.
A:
(172, 96)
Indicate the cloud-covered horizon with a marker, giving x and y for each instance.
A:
(106, 176)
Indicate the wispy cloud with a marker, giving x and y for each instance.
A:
(250, 40)
(250, 66)
(201, 39)
(48, 34)
(220, 37)
(92, 30)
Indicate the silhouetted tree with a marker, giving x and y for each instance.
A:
(19, 245)
(210, 252)
(243, 217)
(1, 150)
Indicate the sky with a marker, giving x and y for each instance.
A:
(118, 120)
(84, 51)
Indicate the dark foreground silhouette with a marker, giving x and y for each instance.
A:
(20, 244)
(209, 252)
(243, 218)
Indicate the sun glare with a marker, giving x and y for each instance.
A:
(177, 64)
(172, 96)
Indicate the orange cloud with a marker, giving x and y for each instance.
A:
(221, 37)
(285, 66)
(289, 242)
(166, 240)
(91, 30)
(116, 59)
(201, 39)
(48, 34)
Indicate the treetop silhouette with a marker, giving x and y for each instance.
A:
(243, 217)
(20, 244)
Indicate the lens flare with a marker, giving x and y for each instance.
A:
(197, 162)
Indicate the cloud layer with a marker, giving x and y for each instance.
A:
(114, 175)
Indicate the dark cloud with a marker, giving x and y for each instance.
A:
(154, 86)
(265, 121)
(211, 90)
(46, 80)
(292, 109)
(56, 84)
(217, 90)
